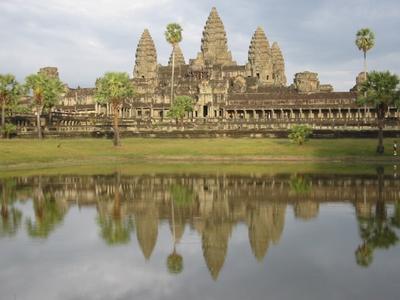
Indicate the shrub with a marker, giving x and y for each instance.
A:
(9, 130)
(299, 134)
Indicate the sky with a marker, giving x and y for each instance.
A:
(85, 39)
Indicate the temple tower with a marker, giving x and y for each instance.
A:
(260, 57)
(214, 44)
(146, 58)
(278, 65)
(179, 58)
(215, 240)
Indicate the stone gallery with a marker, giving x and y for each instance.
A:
(230, 99)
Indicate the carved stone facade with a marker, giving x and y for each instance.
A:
(260, 58)
(179, 58)
(214, 44)
(146, 58)
(278, 65)
(227, 96)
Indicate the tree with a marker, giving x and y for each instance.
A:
(115, 225)
(365, 40)
(377, 230)
(381, 90)
(180, 107)
(299, 134)
(175, 263)
(45, 92)
(10, 217)
(182, 196)
(300, 184)
(173, 35)
(114, 88)
(10, 92)
(49, 213)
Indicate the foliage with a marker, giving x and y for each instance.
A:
(180, 107)
(11, 217)
(300, 184)
(113, 88)
(173, 33)
(377, 232)
(10, 93)
(48, 214)
(45, 90)
(365, 39)
(299, 134)
(9, 129)
(175, 263)
(115, 231)
(10, 90)
(10, 222)
(181, 195)
(380, 89)
(364, 255)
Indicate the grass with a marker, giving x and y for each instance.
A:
(26, 153)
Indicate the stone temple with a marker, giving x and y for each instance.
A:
(229, 98)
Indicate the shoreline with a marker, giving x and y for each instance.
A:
(205, 160)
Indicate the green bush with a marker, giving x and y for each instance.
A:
(9, 129)
(299, 134)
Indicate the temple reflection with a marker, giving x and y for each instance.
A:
(210, 205)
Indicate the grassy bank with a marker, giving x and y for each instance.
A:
(56, 152)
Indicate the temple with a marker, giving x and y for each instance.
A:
(230, 99)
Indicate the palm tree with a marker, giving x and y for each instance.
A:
(376, 231)
(49, 213)
(365, 40)
(173, 35)
(381, 91)
(45, 91)
(10, 217)
(115, 225)
(10, 91)
(182, 196)
(114, 88)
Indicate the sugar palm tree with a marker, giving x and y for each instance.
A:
(45, 91)
(10, 217)
(378, 230)
(115, 225)
(173, 35)
(380, 90)
(10, 91)
(114, 88)
(365, 41)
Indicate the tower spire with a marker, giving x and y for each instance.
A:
(278, 65)
(179, 58)
(146, 57)
(260, 57)
(214, 44)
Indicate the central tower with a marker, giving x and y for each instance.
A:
(214, 44)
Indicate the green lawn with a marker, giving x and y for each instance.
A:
(53, 152)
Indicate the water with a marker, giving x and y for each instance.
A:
(210, 235)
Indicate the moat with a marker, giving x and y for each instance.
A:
(328, 233)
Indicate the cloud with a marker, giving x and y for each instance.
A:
(84, 39)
